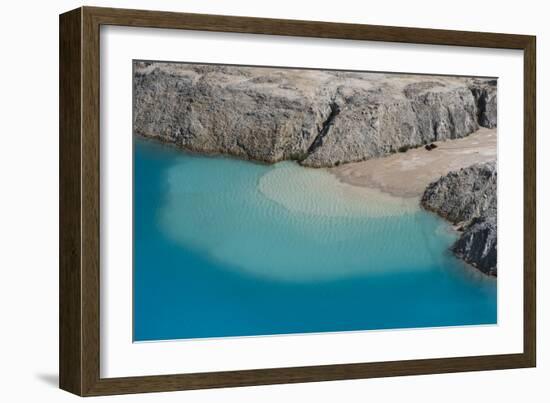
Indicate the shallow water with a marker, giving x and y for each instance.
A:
(224, 247)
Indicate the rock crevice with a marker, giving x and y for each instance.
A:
(485, 95)
(319, 118)
(325, 127)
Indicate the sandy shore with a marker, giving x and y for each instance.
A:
(407, 174)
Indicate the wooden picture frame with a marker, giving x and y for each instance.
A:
(79, 346)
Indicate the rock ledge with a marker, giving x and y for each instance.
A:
(318, 118)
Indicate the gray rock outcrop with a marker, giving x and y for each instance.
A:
(478, 244)
(485, 94)
(468, 198)
(462, 195)
(319, 118)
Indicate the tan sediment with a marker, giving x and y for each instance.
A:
(327, 196)
(408, 174)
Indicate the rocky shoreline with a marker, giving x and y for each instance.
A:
(331, 118)
(468, 199)
(317, 118)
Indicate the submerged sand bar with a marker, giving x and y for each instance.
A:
(408, 174)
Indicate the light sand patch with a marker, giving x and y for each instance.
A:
(310, 228)
(408, 174)
(314, 192)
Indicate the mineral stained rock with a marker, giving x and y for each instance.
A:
(319, 118)
(468, 198)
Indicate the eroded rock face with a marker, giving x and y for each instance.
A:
(319, 118)
(462, 195)
(468, 198)
(478, 244)
(485, 95)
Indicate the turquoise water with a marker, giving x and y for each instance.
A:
(224, 247)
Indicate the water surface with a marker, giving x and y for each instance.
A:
(224, 247)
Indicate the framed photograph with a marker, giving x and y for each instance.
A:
(249, 201)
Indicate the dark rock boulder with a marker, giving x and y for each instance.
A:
(468, 198)
(478, 244)
(462, 195)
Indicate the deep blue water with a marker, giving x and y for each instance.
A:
(224, 247)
